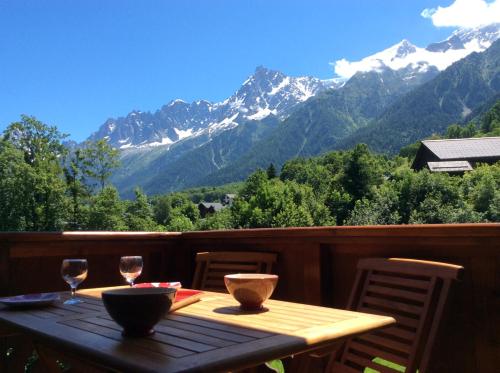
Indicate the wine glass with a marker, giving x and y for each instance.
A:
(130, 268)
(74, 271)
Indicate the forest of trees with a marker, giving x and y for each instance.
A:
(45, 186)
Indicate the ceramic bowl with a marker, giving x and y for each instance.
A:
(251, 290)
(137, 310)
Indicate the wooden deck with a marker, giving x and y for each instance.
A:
(316, 266)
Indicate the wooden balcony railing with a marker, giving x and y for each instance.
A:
(316, 265)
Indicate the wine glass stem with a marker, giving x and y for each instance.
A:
(73, 292)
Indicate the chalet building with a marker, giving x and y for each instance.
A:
(206, 208)
(228, 199)
(456, 155)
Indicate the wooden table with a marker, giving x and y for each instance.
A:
(210, 335)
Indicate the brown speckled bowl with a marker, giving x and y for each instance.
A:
(251, 289)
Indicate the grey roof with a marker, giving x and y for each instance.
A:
(483, 147)
(449, 166)
(216, 205)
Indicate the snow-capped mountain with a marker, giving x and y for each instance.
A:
(405, 55)
(264, 93)
(268, 92)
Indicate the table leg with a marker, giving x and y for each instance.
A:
(317, 360)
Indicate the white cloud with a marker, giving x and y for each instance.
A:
(464, 14)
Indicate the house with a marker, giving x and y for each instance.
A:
(456, 155)
(206, 208)
(228, 199)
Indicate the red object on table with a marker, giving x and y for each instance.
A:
(183, 297)
(176, 285)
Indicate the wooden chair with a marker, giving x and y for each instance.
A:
(212, 266)
(414, 292)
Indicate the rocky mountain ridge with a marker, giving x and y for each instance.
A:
(266, 92)
(273, 117)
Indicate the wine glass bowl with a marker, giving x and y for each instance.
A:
(74, 272)
(130, 268)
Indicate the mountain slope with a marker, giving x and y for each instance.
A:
(451, 97)
(163, 170)
(317, 125)
(310, 128)
(272, 118)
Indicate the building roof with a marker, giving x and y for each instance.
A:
(215, 205)
(449, 166)
(483, 147)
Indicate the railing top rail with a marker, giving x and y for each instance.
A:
(428, 230)
(85, 235)
(431, 230)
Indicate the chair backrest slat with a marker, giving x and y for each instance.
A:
(211, 267)
(397, 332)
(414, 292)
(362, 345)
(388, 342)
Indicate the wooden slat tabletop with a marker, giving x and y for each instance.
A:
(210, 335)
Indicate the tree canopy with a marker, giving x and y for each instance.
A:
(46, 186)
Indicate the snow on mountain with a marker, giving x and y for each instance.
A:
(266, 92)
(440, 55)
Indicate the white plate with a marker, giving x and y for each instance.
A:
(41, 299)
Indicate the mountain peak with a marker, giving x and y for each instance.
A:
(176, 102)
(260, 68)
(438, 55)
(266, 92)
(404, 48)
(475, 40)
(262, 72)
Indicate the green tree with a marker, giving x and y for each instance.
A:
(254, 182)
(382, 209)
(139, 214)
(107, 211)
(170, 207)
(317, 173)
(75, 172)
(362, 171)
(271, 171)
(100, 160)
(39, 142)
(481, 187)
(222, 219)
(494, 210)
(339, 203)
(490, 123)
(180, 223)
(13, 174)
(431, 198)
(410, 151)
(274, 203)
(40, 196)
(456, 131)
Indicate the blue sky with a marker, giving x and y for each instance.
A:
(74, 64)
